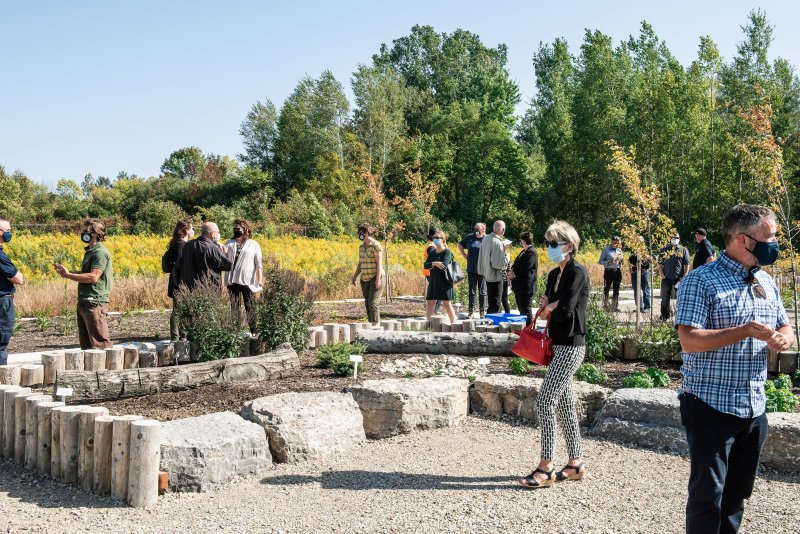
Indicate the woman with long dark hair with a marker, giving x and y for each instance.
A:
(246, 275)
(180, 235)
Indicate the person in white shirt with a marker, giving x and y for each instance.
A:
(247, 274)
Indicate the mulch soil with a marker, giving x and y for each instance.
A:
(60, 333)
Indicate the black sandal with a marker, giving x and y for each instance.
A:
(531, 482)
(577, 475)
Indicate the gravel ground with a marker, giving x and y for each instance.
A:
(457, 479)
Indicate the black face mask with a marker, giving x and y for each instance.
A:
(238, 232)
(86, 237)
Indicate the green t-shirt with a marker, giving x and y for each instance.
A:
(97, 257)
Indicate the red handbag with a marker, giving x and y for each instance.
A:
(534, 345)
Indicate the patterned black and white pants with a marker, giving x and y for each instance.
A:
(557, 398)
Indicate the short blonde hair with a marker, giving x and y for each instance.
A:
(563, 231)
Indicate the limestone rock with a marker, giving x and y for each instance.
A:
(205, 452)
(305, 426)
(782, 449)
(399, 406)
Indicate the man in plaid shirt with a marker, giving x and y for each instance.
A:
(729, 313)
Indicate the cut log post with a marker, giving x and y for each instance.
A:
(115, 359)
(112, 385)
(52, 361)
(332, 331)
(312, 337)
(103, 439)
(19, 425)
(131, 358)
(94, 360)
(55, 441)
(467, 326)
(73, 360)
(31, 375)
(147, 359)
(9, 375)
(345, 335)
(70, 442)
(456, 327)
(320, 338)
(120, 448)
(436, 323)
(5, 406)
(32, 428)
(44, 435)
(460, 344)
(446, 327)
(86, 453)
(145, 459)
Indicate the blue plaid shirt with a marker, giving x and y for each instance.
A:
(715, 296)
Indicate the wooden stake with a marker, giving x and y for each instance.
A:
(73, 360)
(131, 358)
(120, 448)
(3, 389)
(32, 428)
(44, 435)
(115, 359)
(70, 443)
(145, 458)
(55, 441)
(103, 438)
(9, 375)
(52, 361)
(94, 360)
(86, 453)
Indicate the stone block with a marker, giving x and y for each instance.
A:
(399, 406)
(203, 453)
(498, 395)
(309, 425)
(782, 449)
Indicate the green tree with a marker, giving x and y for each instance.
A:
(185, 163)
(259, 132)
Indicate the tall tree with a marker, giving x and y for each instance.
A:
(259, 132)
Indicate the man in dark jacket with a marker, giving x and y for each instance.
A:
(705, 250)
(203, 257)
(673, 264)
(523, 276)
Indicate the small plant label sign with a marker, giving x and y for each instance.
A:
(356, 359)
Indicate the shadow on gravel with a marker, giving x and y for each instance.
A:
(371, 480)
(32, 487)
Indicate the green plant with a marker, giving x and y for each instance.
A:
(519, 366)
(639, 379)
(779, 397)
(43, 322)
(658, 342)
(336, 357)
(17, 328)
(409, 375)
(660, 378)
(437, 372)
(601, 333)
(590, 373)
(210, 323)
(783, 381)
(283, 310)
(795, 377)
(471, 378)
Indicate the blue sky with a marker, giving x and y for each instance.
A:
(107, 86)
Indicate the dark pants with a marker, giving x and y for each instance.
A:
(524, 305)
(7, 319)
(612, 278)
(93, 326)
(667, 290)
(239, 293)
(644, 276)
(476, 283)
(371, 297)
(723, 454)
(493, 290)
(176, 329)
(504, 297)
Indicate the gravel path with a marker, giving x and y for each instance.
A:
(455, 480)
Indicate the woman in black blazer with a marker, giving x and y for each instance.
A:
(564, 303)
(523, 276)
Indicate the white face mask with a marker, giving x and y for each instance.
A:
(674, 242)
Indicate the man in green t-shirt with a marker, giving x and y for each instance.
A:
(94, 287)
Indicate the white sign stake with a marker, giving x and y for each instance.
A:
(356, 358)
(64, 392)
(483, 362)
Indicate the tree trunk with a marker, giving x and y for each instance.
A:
(110, 385)
(120, 450)
(32, 428)
(44, 435)
(145, 459)
(101, 481)
(86, 454)
(462, 344)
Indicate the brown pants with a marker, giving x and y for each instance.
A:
(93, 326)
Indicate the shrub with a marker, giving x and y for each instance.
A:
(283, 309)
(638, 380)
(601, 333)
(519, 366)
(590, 373)
(796, 378)
(210, 324)
(783, 381)
(157, 217)
(660, 378)
(336, 357)
(779, 398)
(658, 342)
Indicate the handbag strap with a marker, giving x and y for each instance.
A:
(546, 327)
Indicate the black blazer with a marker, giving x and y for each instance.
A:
(168, 262)
(201, 258)
(526, 271)
(568, 320)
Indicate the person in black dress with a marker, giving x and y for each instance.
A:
(439, 288)
(182, 233)
(524, 276)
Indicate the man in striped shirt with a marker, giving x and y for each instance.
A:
(729, 313)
